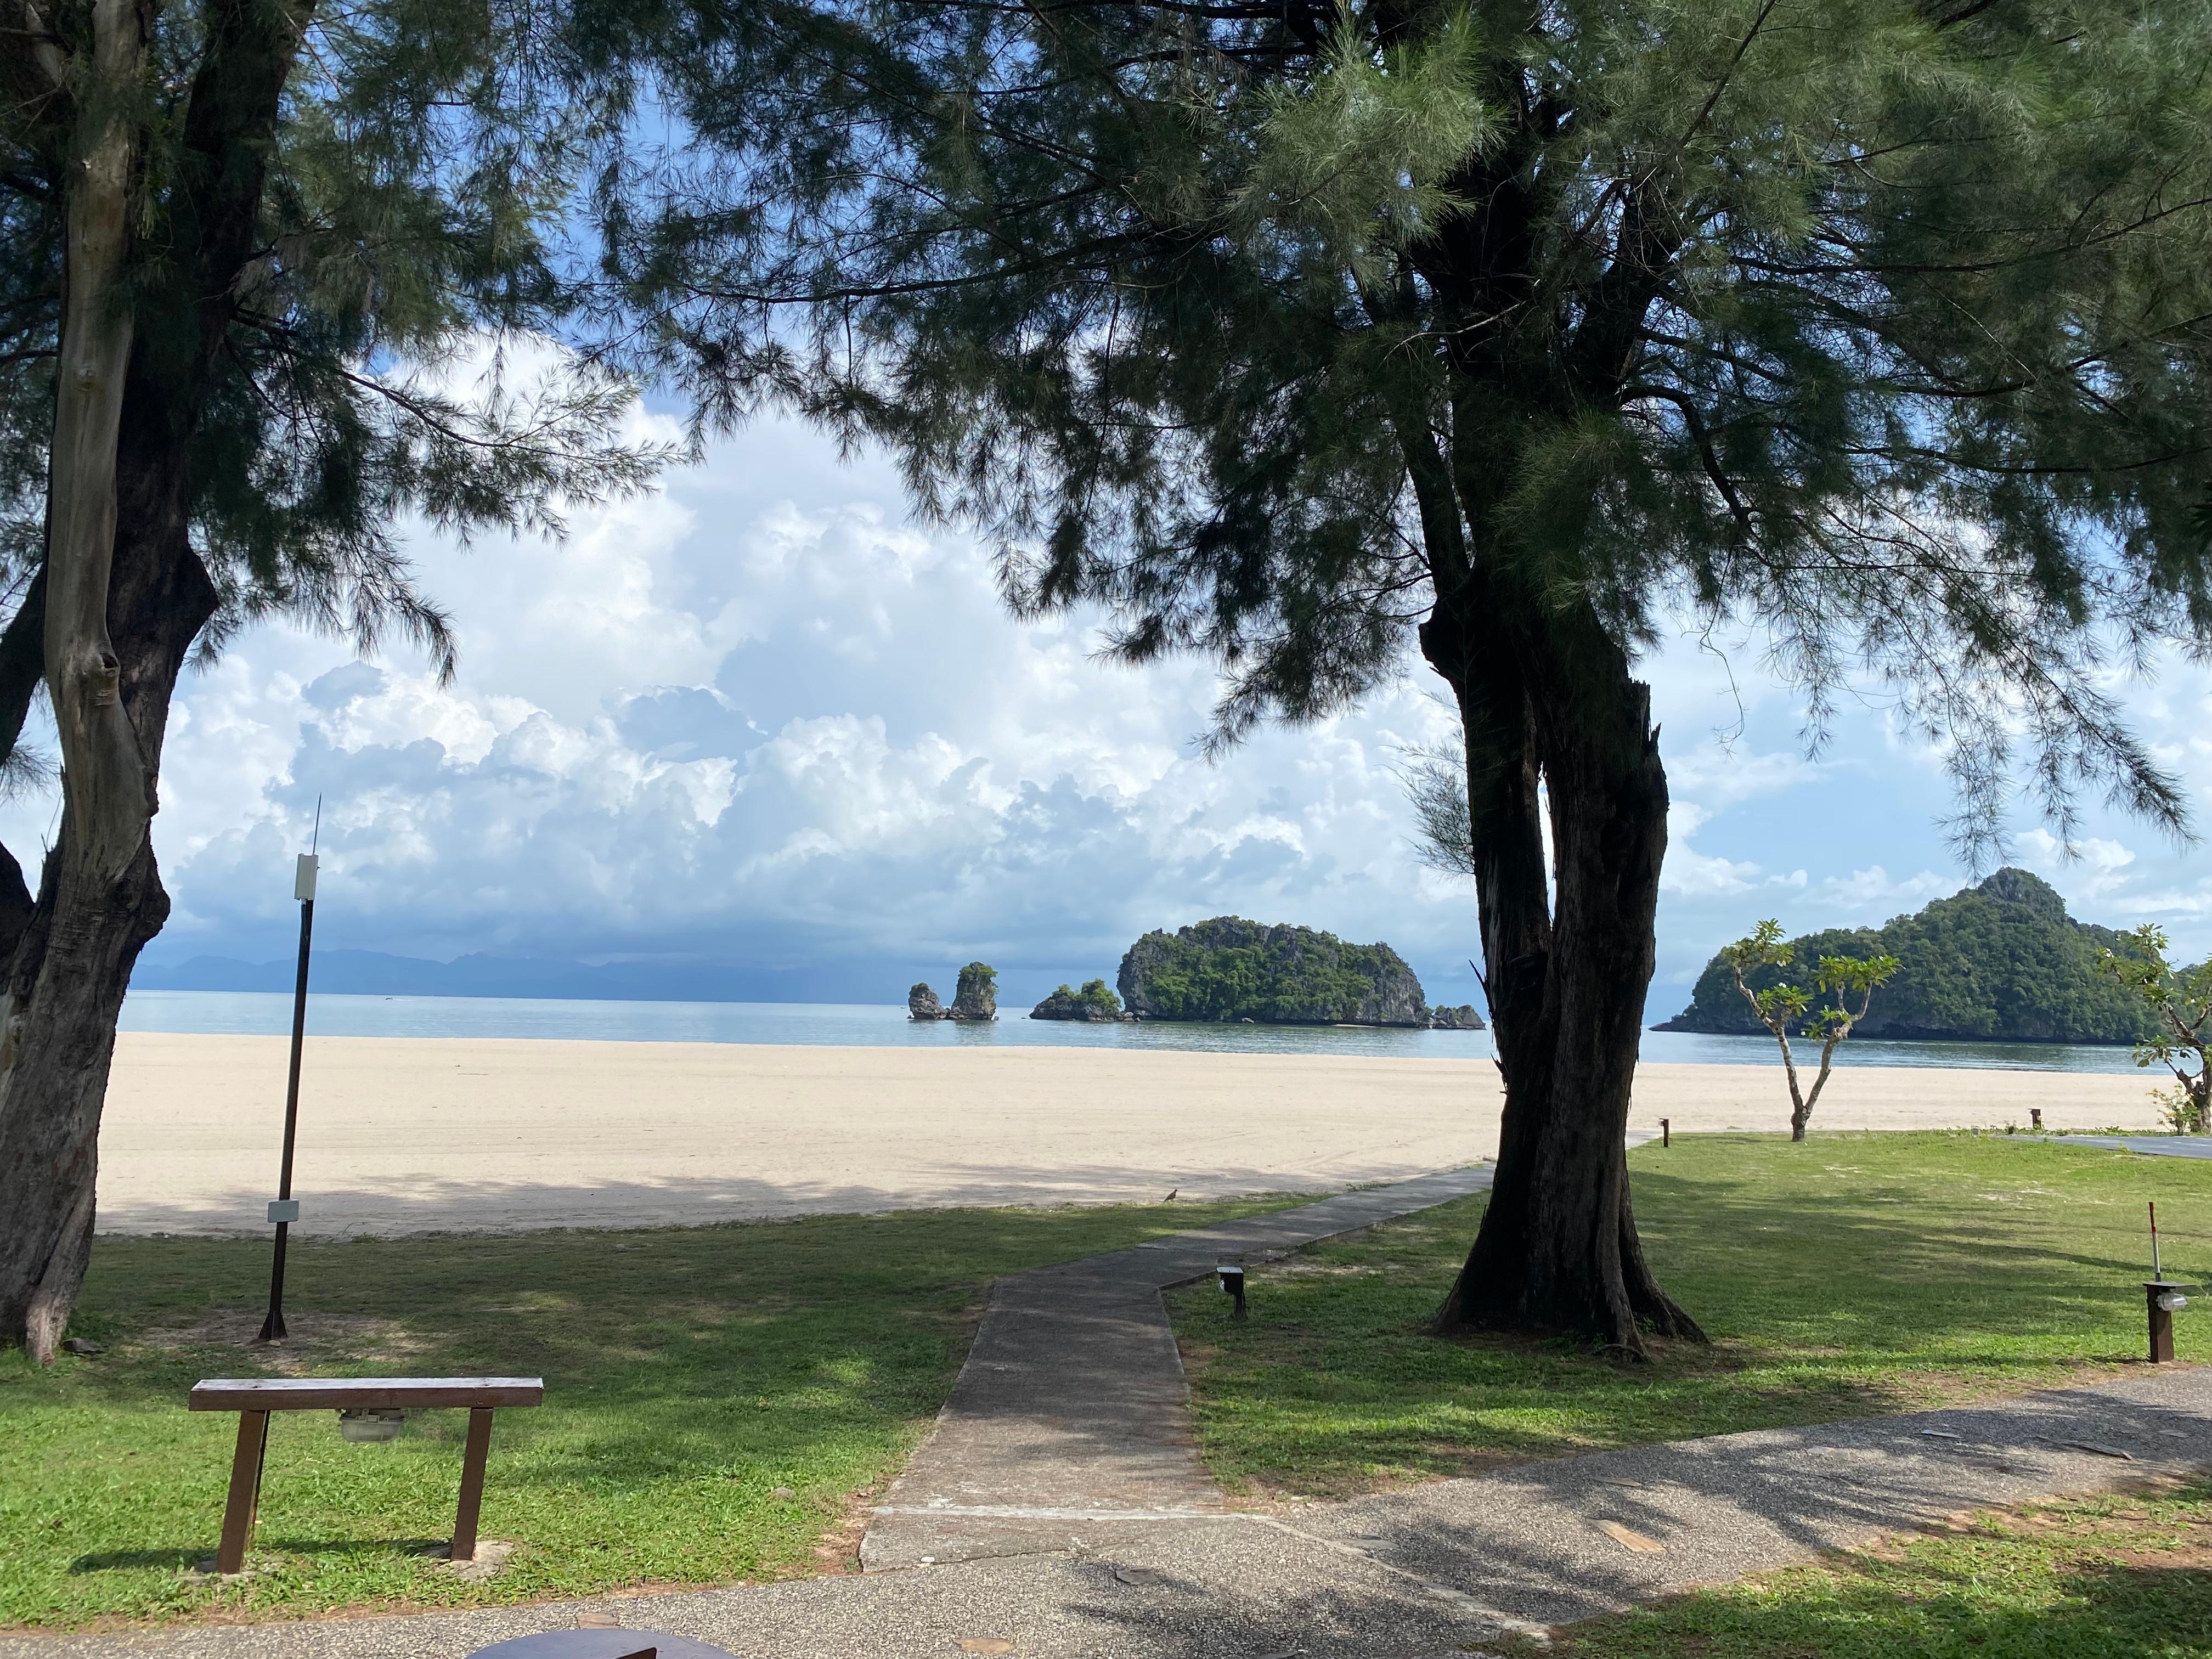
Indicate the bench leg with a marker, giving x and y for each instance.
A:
(472, 1479)
(245, 1491)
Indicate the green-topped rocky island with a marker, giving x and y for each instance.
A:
(1998, 963)
(1231, 971)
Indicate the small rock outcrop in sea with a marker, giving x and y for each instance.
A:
(976, 997)
(1095, 1002)
(1462, 1018)
(1229, 969)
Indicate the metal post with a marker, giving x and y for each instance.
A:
(303, 889)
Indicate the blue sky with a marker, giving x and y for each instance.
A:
(759, 718)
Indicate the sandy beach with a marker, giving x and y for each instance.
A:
(427, 1134)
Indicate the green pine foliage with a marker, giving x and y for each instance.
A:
(2000, 962)
(1874, 328)
(391, 360)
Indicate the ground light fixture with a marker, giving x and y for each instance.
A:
(2164, 1297)
(1231, 1274)
(369, 1428)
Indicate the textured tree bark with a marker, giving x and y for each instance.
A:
(51, 1034)
(124, 596)
(1546, 695)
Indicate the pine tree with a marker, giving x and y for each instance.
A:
(1306, 337)
(241, 240)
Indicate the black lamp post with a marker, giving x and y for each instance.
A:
(284, 1210)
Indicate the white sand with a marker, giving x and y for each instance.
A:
(413, 1135)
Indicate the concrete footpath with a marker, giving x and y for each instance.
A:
(1422, 1574)
(1070, 1423)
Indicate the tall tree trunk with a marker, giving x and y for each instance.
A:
(56, 1017)
(124, 596)
(1546, 693)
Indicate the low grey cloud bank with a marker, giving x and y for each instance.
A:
(760, 721)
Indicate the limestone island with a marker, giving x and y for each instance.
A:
(1229, 970)
(1096, 1003)
(1998, 963)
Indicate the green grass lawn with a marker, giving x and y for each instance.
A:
(690, 1374)
(1851, 1274)
(2113, 1578)
(720, 1398)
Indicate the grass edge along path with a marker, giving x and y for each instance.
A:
(1851, 1275)
(718, 1402)
(2120, 1577)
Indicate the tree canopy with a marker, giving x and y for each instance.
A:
(2177, 1002)
(249, 252)
(1878, 325)
(407, 246)
(1301, 335)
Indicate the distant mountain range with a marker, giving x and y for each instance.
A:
(2002, 962)
(373, 972)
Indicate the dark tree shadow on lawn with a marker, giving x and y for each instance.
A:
(180, 1560)
(2105, 1611)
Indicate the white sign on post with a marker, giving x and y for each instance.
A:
(303, 879)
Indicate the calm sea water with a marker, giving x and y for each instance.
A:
(858, 1024)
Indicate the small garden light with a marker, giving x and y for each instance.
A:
(369, 1428)
(2166, 1297)
(1231, 1274)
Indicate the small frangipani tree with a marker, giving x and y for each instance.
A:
(2181, 1003)
(1781, 1007)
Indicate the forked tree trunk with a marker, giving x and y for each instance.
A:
(73, 966)
(1550, 696)
(57, 1017)
(123, 597)
(65, 984)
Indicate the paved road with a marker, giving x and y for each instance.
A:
(2155, 1146)
(1412, 1575)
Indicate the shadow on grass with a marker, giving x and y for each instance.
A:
(2098, 1612)
(111, 1560)
(180, 1560)
(1845, 1278)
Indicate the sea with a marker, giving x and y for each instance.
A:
(838, 1024)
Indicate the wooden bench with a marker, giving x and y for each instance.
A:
(254, 1398)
